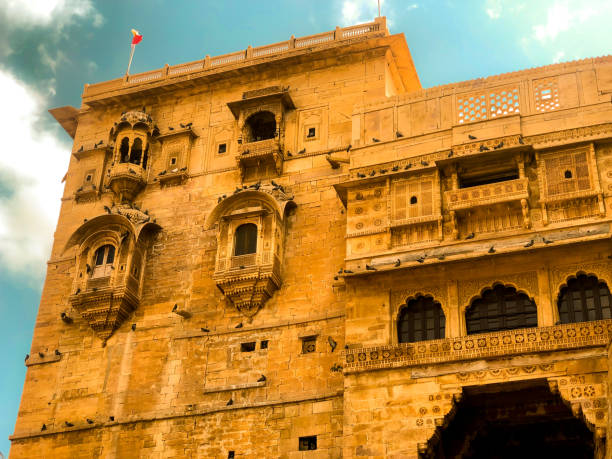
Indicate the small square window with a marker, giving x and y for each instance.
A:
(230, 455)
(308, 443)
(88, 178)
(263, 344)
(309, 344)
(222, 148)
(173, 161)
(247, 347)
(311, 132)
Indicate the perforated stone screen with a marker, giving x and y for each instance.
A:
(546, 93)
(492, 104)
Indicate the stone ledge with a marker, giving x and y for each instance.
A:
(35, 359)
(190, 412)
(284, 323)
(235, 387)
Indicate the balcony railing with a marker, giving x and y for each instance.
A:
(238, 57)
(493, 193)
(485, 345)
(257, 149)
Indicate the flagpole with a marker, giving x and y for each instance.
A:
(130, 62)
(378, 8)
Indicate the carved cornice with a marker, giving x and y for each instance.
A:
(485, 345)
(569, 135)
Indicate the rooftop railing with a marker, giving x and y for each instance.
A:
(238, 57)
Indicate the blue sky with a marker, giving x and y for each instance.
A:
(50, 48)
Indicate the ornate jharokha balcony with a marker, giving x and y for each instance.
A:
(256, 154)
(492, 193)
(127, 179)
(485, 345)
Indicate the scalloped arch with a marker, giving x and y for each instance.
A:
(491, 286)
(102, 223)
(221, 209)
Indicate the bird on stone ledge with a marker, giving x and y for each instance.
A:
(229, 402)
(89, 421)
(262, 378)
(239, 325)
(204, 329)
(470, 236)
(69, 424)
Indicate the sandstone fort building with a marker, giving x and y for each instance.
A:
(296, 251)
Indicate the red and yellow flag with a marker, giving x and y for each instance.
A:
(137, 38)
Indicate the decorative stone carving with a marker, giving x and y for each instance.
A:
(248, 280)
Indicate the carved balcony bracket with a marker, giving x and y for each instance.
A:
(105, 310)
(248, 278)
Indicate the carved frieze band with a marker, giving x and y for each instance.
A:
(504, 343)
(469, 290)
(479, 148)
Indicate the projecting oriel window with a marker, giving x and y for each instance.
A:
(585, 298)
(420, 320)
(245, 239)
(500, 308)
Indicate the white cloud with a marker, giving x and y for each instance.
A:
(44, 12)
(563, 15)
(32, 165)
(493, 8)
(558, 56)
(359, 11)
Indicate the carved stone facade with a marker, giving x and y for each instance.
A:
(235, 259)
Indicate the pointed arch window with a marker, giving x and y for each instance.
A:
(583, 299)
(421, 319)
(136, 153)
(103, 261)
(245, 239)
(501, 308)
(124, 150)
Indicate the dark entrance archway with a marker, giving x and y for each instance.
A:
(513, 420)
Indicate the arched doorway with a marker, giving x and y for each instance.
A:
(513, 420)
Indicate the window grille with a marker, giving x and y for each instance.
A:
(500, 308)
(420, 320)
(585, 298)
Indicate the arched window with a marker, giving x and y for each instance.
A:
(245, 239)
(585, 298)
(145, 158)
(136, 153)
(261, 126)
(500, 308)
(103, 261)
(124, 150)
(421, 319)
